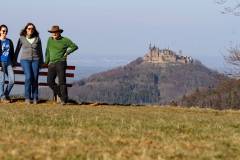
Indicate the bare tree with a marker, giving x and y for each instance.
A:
(234, 56)
(229, 6)
(232, 7)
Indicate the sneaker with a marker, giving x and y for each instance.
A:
(63, 103)
(58, 99)
(4, 100)
(35, 101)
(27, 101)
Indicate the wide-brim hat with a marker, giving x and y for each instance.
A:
(55, 29)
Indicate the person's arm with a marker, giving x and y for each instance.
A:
(12, 55)
(47, 54)
(71, 47)
(17, 50)
(40, 53)
(0, 55)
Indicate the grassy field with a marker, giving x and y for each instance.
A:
(51, 132)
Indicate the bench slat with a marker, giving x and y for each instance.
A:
(70, 75)
(40, 84)
(46, 66)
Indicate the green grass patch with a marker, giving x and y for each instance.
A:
(48, 131)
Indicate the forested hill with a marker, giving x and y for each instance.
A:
(140, 82)
(224, 96)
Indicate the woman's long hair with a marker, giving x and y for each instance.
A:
(24, 31)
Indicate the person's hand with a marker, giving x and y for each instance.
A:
(44, 65)
(14, 64)
(65, 55)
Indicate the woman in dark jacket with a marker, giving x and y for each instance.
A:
(31, 60)
(7, 60)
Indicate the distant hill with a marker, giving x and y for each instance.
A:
(143, 82)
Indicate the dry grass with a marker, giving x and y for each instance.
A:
(51, 132)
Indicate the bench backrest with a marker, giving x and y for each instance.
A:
(18, 70)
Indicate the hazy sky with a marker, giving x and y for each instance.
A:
(112, 32)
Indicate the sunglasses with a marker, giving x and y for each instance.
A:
(30, 29)
(4, 31)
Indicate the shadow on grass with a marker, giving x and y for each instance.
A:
(41, 101)
(71, 102)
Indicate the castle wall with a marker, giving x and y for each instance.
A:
(156, 55)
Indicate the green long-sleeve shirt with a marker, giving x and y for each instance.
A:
(56, 49)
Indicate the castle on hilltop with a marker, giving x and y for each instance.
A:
(157, 55)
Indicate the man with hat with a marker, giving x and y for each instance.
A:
(58, 48)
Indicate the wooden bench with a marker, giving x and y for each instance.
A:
(43, 72)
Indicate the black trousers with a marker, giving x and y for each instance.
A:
(58, 70)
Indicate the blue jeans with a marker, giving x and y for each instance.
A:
(7, 69)
(31, 72)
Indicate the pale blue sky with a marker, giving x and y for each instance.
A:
(112, 32)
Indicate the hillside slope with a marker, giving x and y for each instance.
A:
(144, 83)
(225, 95)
